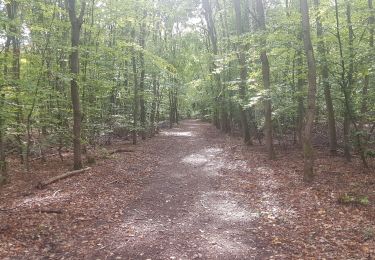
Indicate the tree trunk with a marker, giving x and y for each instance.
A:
(171, 106)
(360, 140)
(142, 81)
(327, 87)
(347, 146)
(3, 175)
(3, 165)
(153, 104)
(243, 74)
(365, 88)
(136, 96)
(13, 40)
(175, 110)
(344, 87)
(76, 24)
(300, 99)
(266, 83)
(219, 114)
(311, 95)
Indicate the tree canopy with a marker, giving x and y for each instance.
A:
(77, 72)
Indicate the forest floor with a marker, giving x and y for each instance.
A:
(191, 193)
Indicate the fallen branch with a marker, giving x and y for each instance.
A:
(121, 150)
(11, 151)
(43, 184)
(45, 156)
(49, 211)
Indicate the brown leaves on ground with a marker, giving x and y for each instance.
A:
(90, 203)
(72, 217)
(311, 222)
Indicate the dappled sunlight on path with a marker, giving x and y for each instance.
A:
(183, 213)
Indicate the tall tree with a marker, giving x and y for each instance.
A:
(324, 70)
(212, 34)
(266, 81)
(135, 93)
(13, 39)
(76, 24)
(243, 72)
(311, 94)
(364, 103)
(142, 77)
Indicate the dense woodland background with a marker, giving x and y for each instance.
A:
(75, 74)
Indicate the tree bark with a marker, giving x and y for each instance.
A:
(3, 165)
(326, 85)
(344, 87)
(14, 41)
(3, 172)
(266, 83)
(57, 178)
(142, 80)
(136, 96)
(311, 95)
(300, 99)
(365, 88)
(153, 104)
(243, 74)
(219, 113)
(76, 24)
(360, 140)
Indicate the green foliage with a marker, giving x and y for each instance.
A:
(178, 55)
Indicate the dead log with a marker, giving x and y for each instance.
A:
(43, 184)
(121, 150)
(49, 211)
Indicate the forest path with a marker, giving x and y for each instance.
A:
(191, 192)
(183, 212)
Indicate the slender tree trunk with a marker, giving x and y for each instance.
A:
(266, 83)
(360, 140)
(349, 83)
(311, 95)
(153, 105)
(224, 119)
(14, 41)
(3, 172)
(219, 116)
(171, 105)
(300, 99)
(364, 106)
(142, 81)
(175, 110)
(327, 87)
(243, 74)
(3, 164)
(76, 24)
(136, 96)
(347, 146)
(344, 87)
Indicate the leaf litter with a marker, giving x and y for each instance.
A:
(190, 193)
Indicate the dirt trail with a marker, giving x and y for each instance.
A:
(190, 193)
(182, 212)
